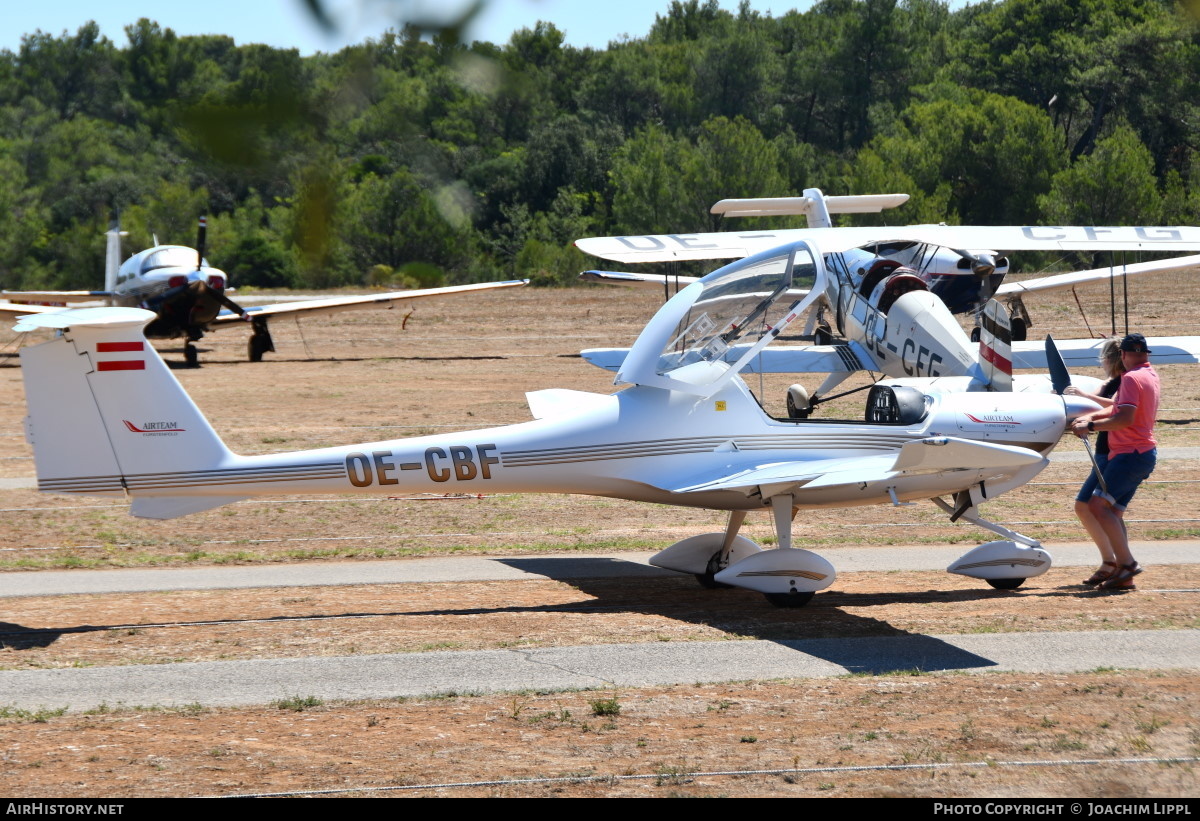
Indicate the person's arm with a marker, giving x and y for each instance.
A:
(1102, 401)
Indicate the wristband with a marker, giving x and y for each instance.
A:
(1091, 426)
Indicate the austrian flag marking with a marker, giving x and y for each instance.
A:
(120, 364)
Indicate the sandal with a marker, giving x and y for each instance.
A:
(1101, 575)
(1124, 574)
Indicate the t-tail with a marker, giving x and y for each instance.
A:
(105, 412)
(995, 347)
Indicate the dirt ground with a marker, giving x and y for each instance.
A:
(466, 363)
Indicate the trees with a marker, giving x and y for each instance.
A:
(487, 158)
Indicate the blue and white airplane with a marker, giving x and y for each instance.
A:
(189, 297)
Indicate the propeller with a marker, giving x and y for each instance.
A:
(982, 266)
(201, 236)
(1060, 377)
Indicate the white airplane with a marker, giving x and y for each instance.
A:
(107, 418)
(188, 296)
(964, 280)
(893, 322)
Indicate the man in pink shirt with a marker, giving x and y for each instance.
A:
(1132, 456)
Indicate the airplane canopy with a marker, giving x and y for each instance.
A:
(746, 303)
(170, 256)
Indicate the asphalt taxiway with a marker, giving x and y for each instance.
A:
(229, 683)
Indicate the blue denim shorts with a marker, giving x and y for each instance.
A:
(1122, 474)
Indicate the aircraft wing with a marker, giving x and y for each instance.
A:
(798, 359)
(55, 296)
(1084, 354)
(337, 304)
(1060, 282)
(737, 244)
(622, 278)
(934, 455)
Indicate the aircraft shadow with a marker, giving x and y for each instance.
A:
(820, 629)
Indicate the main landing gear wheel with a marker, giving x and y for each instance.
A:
(1005, 584)
(256, 347)
(191, 356)
(1018, 330)
(706, 578)
(793, 599)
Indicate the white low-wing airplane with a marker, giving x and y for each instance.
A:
(188, 296)
(107, 418)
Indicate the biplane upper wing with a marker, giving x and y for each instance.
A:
(332, 305)
(737, 244)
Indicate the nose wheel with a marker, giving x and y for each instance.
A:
(793, 599)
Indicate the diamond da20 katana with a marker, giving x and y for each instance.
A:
(107, 418)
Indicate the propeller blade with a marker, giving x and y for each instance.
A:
(982, 265)
(1060, 377)
(201, 236)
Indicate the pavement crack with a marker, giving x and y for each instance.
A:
(528, 655)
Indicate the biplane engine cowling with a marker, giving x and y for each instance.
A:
(900, 282)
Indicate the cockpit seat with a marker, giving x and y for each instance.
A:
(900, 283)
(895, 405)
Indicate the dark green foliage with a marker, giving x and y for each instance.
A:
(418, 158)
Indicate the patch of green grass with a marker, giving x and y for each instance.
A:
(608, 706)
(39, 716)
(297, 704)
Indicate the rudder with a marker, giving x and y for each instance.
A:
(104, 409)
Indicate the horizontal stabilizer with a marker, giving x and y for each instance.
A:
(171, 507)
(788, 206)
(86, 318)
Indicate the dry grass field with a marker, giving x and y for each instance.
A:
(466, 363)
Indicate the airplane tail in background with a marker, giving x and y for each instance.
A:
(106, 415)
(995, 347)
(112, 255)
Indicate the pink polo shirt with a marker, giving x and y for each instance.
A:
(1140, 389)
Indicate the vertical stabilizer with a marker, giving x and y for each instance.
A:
(995, 347)
(105, 412)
